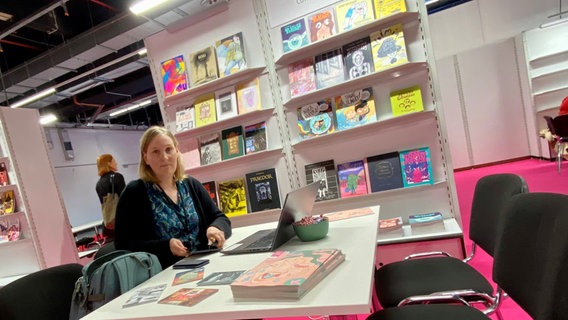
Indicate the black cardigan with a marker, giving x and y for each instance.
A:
(134, 229)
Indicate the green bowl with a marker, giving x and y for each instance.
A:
(312, 232)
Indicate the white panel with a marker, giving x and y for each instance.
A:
(73, 63)
(143, 31)
(93, 54)
(118, 42)
(547, 41)
(51, 73)
(493, 103)
(452, 107)
(449, 28)
(281, 11)
(32, 82)
(169, 17)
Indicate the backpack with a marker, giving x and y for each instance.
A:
(109, 276)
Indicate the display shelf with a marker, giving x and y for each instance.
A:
(372, 127)
(15, 214)
(183, 98)
(226, 123)
(344, 37)
(549, 70)
(552, 90)
(358, 83)
(17, 242)
(265, 154)
(451, 226)
(548, 58)
(546, 108)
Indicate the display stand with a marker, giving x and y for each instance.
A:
(45, 238)
(290, 153)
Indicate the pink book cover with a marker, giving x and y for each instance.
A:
(352, 179)
(189, 149)
(302, 77)
(174, 76)
(285, 268)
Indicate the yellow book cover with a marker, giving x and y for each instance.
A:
(232, 197)
(351, 14)
(406, 101)
(248, 96)
(384, 8)
(388, 48)
(205, 110)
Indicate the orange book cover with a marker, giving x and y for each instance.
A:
(188, 296)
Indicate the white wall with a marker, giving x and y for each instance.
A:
(77, 178)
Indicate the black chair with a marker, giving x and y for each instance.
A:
(531, 265)
(560, 125)
(45, 294)
(106, 248)
(426, 273)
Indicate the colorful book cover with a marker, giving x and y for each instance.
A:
(226, 103)
(386, 225)
(416, 167)
(325, 173)
(425, 218)
(7, 202)
(322, 25)
(232, 197)
(262, 189)
(406, 101)
(203, 66)
(248, 96)
(174, 77)
(145, 295)
(329, 69)
(384, 8)
(210, 149)
(4, 178)
(348, 214)
(205, 110)
(188, 296)
(232, 143)
(188, 276)
(255, 137)
(185, 119)
(231, 54)
(384, 172)
(358, 59)
(352, 179)
(220, 278)
(351, 14)
(211, 188)
(315, 119)
(388, 48)
(301, 77)
(355, 108)
(294, 35)
(9, 230)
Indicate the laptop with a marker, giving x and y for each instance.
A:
(298, 204)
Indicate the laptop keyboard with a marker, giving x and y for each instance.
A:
(263, 242)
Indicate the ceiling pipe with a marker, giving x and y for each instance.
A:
(94, 116)
(18, 44)
(102, 4)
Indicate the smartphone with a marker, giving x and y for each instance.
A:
(208, 249)
(190, 263)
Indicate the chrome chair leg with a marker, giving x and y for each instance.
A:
(560, 146)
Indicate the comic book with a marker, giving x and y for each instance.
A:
(301, 77)
(188, 296)
(315, 119)
(352, 179)
(248, 96)
(351, 14)
(294, 35)
(388, 48)
(416, 167)
(358, 59)
(355, 108)
(255, 137)
(326, 174)
(205, 110)
(232, 197)
(406, 101)
(230, 54)
(322, 24)
(262, 190)
(329, 69)
(203, 66)
(174, 77)
(232, 142)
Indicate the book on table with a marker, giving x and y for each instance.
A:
(286, 274)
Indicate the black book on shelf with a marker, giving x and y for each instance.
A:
(384, 172)
(326, 174)
(358, 59)
(262, 190)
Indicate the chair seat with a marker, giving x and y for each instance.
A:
(429, 312)
(403, 279)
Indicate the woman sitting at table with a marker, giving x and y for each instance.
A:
(164, 212)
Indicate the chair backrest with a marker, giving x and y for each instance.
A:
(45, 294)
(531, 256)
(550, 124)
(491, 195)
(561, 126)
(106, 248)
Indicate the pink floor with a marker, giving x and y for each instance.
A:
(541, 176)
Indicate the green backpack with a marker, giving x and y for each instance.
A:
(109, 276)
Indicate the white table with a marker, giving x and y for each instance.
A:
(346, 290)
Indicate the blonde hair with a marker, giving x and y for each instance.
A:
(103, 163)
(144, 170)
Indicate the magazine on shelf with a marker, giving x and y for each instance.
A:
(352, 179)
(286, 274)
(388, 48)
(203, 66)
(355, 108)
(301, 77)
(262, 190)
(294, 35)
(226, 103)
(174, 76)
(329, 69)
(325, 173)
(322, 24)
(232, 142)
(416, 167)
(248, 96)
(255, 137)
(232, 197)
(185, 119)
(210, 148)
(230, 54)
(358, 59)
(406, 101)
(351, 14)
(205, 110)
(315, 119)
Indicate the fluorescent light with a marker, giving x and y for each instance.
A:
(116, 113)
(145, 103)
(133, 107)
(33, 98)
(553, 23)
(142, 52)
(48, 118)
(5, 16)
(145, 5)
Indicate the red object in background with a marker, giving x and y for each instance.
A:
(563, 107)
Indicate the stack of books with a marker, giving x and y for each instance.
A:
(286, 274)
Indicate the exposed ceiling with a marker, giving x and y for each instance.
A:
(88, 51)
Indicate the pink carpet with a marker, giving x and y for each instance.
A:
(541, 176)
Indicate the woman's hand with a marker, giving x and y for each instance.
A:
(216, 236)
(177, 248)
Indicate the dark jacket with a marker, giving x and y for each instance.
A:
(104, 186)
(135, 226)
